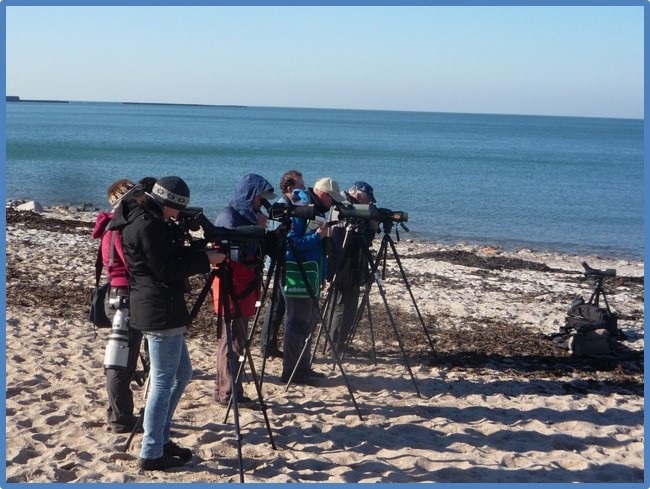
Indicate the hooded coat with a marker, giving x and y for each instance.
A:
(158, 265)
(245, 260)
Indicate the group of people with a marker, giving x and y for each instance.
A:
(146, 260)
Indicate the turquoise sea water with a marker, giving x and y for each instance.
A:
(549, 183)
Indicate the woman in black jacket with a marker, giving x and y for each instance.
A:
(158, 266)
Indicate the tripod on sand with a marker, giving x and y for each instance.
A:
(224, 323)
(276, 272)
(354, 236)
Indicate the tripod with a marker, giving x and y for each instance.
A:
(224, 322)
(277, 272)
(598, 289)
(354, 231)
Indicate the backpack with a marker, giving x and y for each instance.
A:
(97, 314)
(589, 330)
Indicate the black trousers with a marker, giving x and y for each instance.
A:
(271, 326)
(345, 303)
(118, 386)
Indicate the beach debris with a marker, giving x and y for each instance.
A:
(32, 205)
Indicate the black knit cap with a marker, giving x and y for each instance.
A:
(171, 192)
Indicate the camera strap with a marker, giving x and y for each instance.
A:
(98, 266)
(111, 256)
(99, 262)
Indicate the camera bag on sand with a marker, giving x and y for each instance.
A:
(589, 331)
(97, 314)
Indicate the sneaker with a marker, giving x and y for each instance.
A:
(171, 448)
(161, 463)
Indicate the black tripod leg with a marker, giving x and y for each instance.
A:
(328, 306)
(273, 272)
(232, 402)
(372, 337)
(382, 292)
(233, 398)
(139, 421)
(226, 294)
(135, 429)
(408, 287)
(258, 388)
(203, 294)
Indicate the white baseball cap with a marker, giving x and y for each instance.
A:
(330, 187)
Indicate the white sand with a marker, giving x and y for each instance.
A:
(488, 424)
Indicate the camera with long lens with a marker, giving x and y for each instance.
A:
(116, 356)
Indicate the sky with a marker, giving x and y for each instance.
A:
(559, 60)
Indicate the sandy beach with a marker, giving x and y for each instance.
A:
(498, 401)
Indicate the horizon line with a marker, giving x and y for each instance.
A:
(17, 99)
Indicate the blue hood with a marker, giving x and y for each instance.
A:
(249, 187)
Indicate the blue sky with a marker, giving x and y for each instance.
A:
(577, 61)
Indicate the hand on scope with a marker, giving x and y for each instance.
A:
(282, 229)
(323, 231)
(215, 257)
(261, 219)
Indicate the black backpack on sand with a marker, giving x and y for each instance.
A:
(590, 330)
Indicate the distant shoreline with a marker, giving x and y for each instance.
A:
(15, 99)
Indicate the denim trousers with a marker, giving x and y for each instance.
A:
(171, 371)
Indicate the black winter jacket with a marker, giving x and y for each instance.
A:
(158, 265)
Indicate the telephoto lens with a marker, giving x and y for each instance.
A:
(117, 350)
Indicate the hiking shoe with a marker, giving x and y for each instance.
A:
(298, 379)
(313, 374)
(274, 352)
(243, 402)
(171, 448)
(161, 463)
(127, 428)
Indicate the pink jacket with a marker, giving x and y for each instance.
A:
(118, 274)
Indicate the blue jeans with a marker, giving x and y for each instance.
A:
(171, 371)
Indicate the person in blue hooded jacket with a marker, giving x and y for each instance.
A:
(308, 239)
(246, 263)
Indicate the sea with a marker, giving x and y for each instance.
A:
(560, 184)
